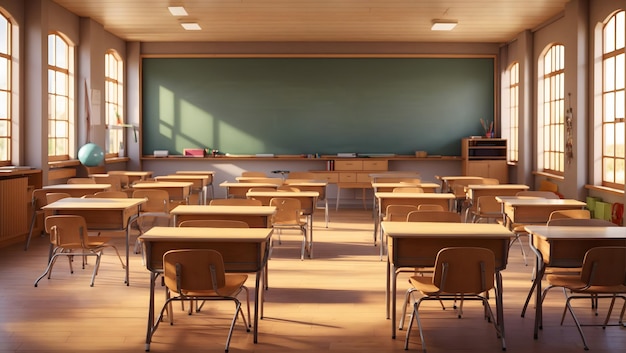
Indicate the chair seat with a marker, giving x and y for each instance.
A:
(231, 287)
(576, 285)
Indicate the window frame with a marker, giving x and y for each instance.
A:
(64, 137)
(115, 118)
(6, 156)
(513, 111)
(551, 110)
(613, 93)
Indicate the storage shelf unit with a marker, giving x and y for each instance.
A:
(485, 157)
(16, 187)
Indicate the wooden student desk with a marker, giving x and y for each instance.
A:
(474, 191)
(243, 250)
(406, 198)
(114, 214)
(77, 190)
(416, 244)
(448, 180)
(388, 187)
(563, 246)
(239, 190)
(531, 210)
(208, 173)
(308, 200)
(133, 175)
(199, 183)
(255, 216)
(178, 190)
(312, 185)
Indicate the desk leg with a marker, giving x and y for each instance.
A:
(151, 325)
(127, 280)
(540, 271)
(311, 235)
(387, 288)
(499, 304)
(257, 296)
(394, 279)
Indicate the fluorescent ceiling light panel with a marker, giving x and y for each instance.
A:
(191, 26)
(177, 11)
(443, 25)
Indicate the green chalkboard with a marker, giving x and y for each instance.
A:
(315, 105)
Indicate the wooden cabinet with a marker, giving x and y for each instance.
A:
(16, 187)
(356, 173)
(485, 158)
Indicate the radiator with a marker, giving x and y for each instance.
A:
(14, 201)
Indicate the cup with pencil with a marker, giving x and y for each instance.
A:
(487, 127)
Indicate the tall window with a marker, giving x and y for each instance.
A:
(552, 110)
(613, 102)
(114, 98)
(60, 108)
(513, 112)
(5, 90)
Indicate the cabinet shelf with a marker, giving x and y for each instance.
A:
(485, 158)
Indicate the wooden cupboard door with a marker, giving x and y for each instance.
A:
(348, 165)
(375, 165)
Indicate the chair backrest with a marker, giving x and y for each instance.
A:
(288, 210)
(108, 194)
(604, 266)
(193, 270)
(214, 223)
(580, 214)
(536, 193)
(262, 189)
(433, 216)
(490, 181)
(468, 270)
(398, 212)
(408, 189)
(236, 202)
(430, 207)
(80, 181)
(546, 185)
(581, 222)
(253, 174)
(39, 199)
(66, 230)
(56, 196)
(156, 200)
(398, 180)
(458, 187)
(114, 180)
(488, 205)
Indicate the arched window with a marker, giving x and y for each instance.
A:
(114, 102)
(513, 109)
(5, 90)
(613, 101)
(60, 98)
(551, 124)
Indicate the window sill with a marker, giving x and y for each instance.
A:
(550, 176)
(63, 164)
(604, 189)
(113, 160)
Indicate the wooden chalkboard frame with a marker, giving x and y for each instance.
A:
(315, 104)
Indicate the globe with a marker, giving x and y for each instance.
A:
(91, 155)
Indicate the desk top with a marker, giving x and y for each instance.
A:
(536, 201)
(195, 172)
(376, 185)
(162, 184)
(300, 182)
(457, 177)
(202, 179)
(73, 203)
(444, 230)
(497, 187)
(415, 195)
(200, 234)
(219, 209)
(137, 173)
(77, 187)
(310, 194)
(231, 184)
(569, 232)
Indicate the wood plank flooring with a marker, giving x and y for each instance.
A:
(334, 302)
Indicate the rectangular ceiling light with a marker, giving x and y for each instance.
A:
(177, 11)
(191, 26)
(443, 25)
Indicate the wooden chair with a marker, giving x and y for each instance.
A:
(199, 275)
(236, 202)
(80, 181)
(465, 272)
(460, 195)
(430, 207)
(398, 212)
(37, 201)
(287, 188)
(69, 237)
(289, 216)
(433, 216)
(155, 211)
(487, 208)
(408, 189)
(603, 276)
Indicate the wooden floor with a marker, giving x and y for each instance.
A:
(334, 302)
